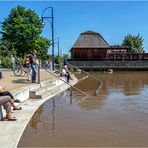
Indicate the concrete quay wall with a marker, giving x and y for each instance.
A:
(117, 65)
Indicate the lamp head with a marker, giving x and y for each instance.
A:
(42, 22)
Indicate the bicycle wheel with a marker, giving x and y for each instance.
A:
(17, 71)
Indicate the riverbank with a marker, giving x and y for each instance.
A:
(12, 131)
(115, 65)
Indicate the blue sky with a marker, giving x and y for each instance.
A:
(112, 19)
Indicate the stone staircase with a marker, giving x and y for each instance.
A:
(45, 89)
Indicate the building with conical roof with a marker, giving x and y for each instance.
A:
(92, 46)
(90, 39)
(92, 52)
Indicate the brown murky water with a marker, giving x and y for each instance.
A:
(117, 117)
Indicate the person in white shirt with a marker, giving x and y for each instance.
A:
(65, 72)
(12, 61)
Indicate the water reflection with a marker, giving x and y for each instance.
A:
(127, 83)
(36, 118)
(130, 82)
(49, 124)
(53, 115)
(115, 118)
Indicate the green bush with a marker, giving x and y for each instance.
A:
(5, 62)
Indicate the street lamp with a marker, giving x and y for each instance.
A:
(52, 28)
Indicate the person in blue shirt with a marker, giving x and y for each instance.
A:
(65, 61)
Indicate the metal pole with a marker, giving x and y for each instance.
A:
(39, 73)
(61, 52)
(52, 26)
(58, 47)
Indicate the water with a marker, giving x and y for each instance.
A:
(117, 117)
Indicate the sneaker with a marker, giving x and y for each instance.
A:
(17, 101)
(17, 108)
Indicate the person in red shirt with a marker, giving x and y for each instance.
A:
(27, 65)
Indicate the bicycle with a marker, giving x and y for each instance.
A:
(20, 69)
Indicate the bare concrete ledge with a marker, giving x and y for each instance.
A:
(11, 131)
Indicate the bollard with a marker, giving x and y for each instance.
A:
(39, 73)
(71, 91)
(1, 113)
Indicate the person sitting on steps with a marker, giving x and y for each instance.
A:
(68, 72)
(8, 103)
(65, 73)
(4, 92)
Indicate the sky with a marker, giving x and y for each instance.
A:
(112, 19)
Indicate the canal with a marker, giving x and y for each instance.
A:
(117, 117)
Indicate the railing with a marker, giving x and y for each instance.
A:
(99, 84)
(67, 83)
(116, 56)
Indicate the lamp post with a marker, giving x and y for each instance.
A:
(52, 28)
(58, 46)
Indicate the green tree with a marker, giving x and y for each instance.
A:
(42, 44)
(67, 56)
(6, 45)
(22, 28)
(134, 42)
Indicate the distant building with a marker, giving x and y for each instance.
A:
(92, 46)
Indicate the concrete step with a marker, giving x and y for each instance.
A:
(43, 88)
(48, 92)
(48, 86)
(35, 92)
(48, 82)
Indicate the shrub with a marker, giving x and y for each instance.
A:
(5, 62)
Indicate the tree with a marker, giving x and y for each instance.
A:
(42, 44)
(67, 56)
(5, 46)
(22, 28)
(134, 42)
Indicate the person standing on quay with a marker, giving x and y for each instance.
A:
(27, 66)
(12, 61)
(33, 65)
(65, 61)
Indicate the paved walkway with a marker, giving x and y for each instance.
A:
(14, 83)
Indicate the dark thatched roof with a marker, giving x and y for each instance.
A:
(90, 39)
